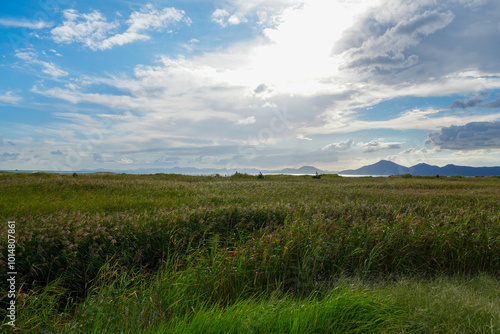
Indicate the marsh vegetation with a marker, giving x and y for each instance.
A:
(247, 254)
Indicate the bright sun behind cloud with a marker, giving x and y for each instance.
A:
(299, 54)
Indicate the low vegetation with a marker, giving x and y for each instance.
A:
(253, 254)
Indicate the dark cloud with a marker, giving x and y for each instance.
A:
(97, 157)
(384, 61)
(475, 102)
(261, 89)
(387, 49)
(355, 36)
(464, 104)
(57, 152)
(9, 156)
(410, 42)
(424, 24)
(493, 104)
(2, 142)
(471, 136)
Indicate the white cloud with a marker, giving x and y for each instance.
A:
(55, 52)
(52, 70)
(49, 68)
(22, 23)
(429, 119)
(268, 12)
(125, 161)
(95, 32)
(412, 150)
(248, 120)
(340, 146)
(234, 20)
(301, 136)
(378, 145)
(148, 18)
(88, 29)
(9, 97)
(222, 17)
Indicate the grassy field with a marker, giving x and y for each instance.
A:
(108, 253)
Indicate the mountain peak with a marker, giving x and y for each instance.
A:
(385, 162)
(385, 167)
(301, 170)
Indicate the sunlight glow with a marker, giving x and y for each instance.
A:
(300, 49)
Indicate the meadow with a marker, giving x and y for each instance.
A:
(113, 253)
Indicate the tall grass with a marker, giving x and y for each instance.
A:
(182, 249)
(175, 302)
(127, 302)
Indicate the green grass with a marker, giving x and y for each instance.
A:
(451, 305)
(124, 302)
(138, 253)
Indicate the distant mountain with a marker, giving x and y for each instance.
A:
(301, 170)
(469, 171)
(385, 167)
(382, 167)
(425, 169)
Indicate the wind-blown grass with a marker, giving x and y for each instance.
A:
(170, 302)
(213, 243)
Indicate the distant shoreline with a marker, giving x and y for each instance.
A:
(383, 168)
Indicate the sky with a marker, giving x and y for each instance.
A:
(233, 84)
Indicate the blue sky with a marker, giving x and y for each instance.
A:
(337, 84)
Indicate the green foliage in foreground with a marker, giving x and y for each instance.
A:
(242, 251)
(125, 302)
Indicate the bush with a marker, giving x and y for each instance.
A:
(317, 176)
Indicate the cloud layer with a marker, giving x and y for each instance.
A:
(317, 81)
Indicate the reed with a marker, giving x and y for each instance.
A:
(182, 249)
